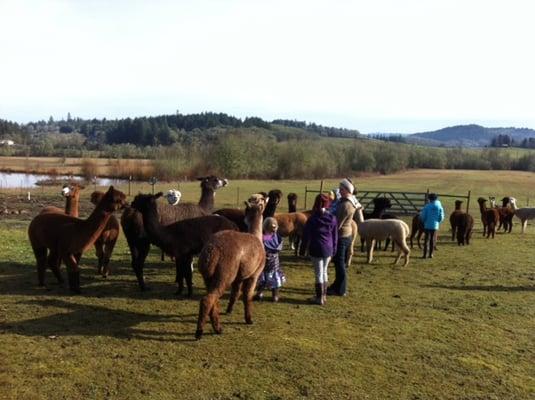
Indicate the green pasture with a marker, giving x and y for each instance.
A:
(458, 326)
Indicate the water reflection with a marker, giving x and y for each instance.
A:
(22, 180)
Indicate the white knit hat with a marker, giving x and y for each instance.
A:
(346, 183)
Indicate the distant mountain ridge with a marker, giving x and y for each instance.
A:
(468, 135)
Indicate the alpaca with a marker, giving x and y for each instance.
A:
(506, 216)
(489, 218)
(105, 243)
(231, 259)
(132, 221)
(183, 239)
(454, 218)
(275, 197)
(417, 229)
(379, 229)
(464, 224)
(292, 202)
(291, 225)
(72, 200)
(524, 214)
(68, 237)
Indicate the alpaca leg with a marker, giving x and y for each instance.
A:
(248, 291)
(297, 243)
(370, 244)
(205, 308)
(187, 266)
(524, 225)
(108, 250)
(41, 261)
(234, 294)
(139, 253)
(215, 319)
(100, 255)
(420, 233)
(179, 279)
(73, 272)
(453, 231)
(54, 262)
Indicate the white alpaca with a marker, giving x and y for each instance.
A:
(524, 214)
(173, 197)
(372, 230)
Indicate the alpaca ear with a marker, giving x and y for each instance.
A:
(158, 195)
(247, 205)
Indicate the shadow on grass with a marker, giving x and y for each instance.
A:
(492, 288)
(90, 320)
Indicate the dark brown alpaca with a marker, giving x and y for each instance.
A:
(132, 221)
(231, 259)
(454, 218)
(105, 244)
(275, 197)
(489, 218)
(417, 229)
(506, 216)
(71, 193)
(69, 237)
(182, 239)
(292, 202)
(465, 224)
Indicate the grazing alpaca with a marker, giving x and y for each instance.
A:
(489, 218)
(231, 259)
(372, 230)
(524, 213)
(417, 229)
(72, 201)
(464, 225)
(132, 221)
(182, 239)
(292, 202)
(68, 237)
(506, 216)
(454, 218)
(105, 243)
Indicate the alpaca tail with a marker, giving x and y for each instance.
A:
(208, 261)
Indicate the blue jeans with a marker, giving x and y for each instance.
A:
(340, 281)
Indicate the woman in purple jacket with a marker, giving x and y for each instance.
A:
(320, 236)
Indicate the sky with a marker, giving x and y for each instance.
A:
(376, 66)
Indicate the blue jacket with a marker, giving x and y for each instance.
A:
(432, 215)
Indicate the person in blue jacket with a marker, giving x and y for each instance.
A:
(432, 215)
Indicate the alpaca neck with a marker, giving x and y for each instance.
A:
(95, 224)
(359, 216)
(482, 207)
(292, 207)
(207, 199)
(72, 205)
(270, 210)
(153, 227)
(457, 207)
(255, 227)
(513, 204)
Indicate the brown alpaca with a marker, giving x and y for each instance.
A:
(68, 237)
(292, 202)
(465, 224)
(231, 259)
(72, 201)
(454, 218)
(489, 218)
(506, 216)
(182, 239)
(105, 244)
(291, 225)
(417, 229)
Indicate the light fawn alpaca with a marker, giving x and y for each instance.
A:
(232, 259)
(70, 237)
(105, 244)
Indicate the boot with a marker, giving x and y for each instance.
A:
(275, 295)
(319, 293)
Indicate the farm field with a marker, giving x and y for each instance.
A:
(458, 326)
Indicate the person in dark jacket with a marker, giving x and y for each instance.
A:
(432, 215)
(320, 237)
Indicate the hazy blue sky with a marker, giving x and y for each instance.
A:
(382, 65)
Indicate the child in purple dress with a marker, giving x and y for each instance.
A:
(272, 277)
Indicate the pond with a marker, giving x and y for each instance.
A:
(22, 180)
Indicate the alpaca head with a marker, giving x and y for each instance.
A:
(382, 203)
(292, 198)
(512, 201)
(173, 197)
(71, 189)
(96, 196)
(275, 196)
(212, 182)
(145, 202)
(254, 210)
(481, 200)
(258, 198)
(113, 200)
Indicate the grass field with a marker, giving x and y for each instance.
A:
(459, 326)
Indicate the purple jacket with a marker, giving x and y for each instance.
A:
(321, 235)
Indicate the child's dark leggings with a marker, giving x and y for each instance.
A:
(429, 242)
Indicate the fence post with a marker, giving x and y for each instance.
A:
(306, 192)
(468, 202)
(238, 196)
(321, 186)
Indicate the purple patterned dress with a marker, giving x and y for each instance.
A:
(272, 277)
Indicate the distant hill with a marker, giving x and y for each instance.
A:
(468, 136)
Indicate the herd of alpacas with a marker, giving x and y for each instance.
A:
(228, 241)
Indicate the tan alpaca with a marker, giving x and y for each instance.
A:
(72, 201)
(234, 259)
(105, 244)
(70, 237)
